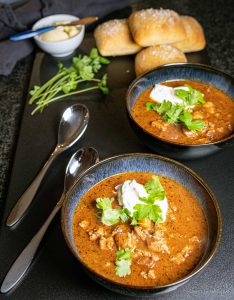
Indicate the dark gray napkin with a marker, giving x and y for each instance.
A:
(13, 20)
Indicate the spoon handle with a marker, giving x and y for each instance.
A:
(29, 34)
(25, 200)
(24, 260)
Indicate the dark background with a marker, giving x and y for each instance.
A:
(47, 278)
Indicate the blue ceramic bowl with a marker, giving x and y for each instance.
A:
(140, 162)
(179, 71)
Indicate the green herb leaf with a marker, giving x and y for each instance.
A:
(155, 213)
(176, 113)
(110, 216)
(154, 188)
(190, 97)
(151, 211)
(186, 118)
(103, 85)
(123, 262)
(123, 267)
(179, 113)
(124, 215)
(67, 80)
(104, 203)
(123, 254)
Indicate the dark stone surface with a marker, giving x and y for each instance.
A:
(216, 17)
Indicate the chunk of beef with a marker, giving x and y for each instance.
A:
(125, 240)
(141, 233)
(157, 242)
(96, 233)
(181, 256)
(106, 243)
(148, 274)
(84, 224)
(146, 261)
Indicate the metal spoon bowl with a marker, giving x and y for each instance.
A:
(72, 125)
(79, 162)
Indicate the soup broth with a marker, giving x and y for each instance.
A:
(161, 252)
(217, 113)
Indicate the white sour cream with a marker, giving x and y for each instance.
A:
(161, 92)
(129, 194)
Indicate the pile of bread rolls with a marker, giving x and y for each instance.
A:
(158, 36)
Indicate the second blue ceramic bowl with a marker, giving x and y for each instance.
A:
(140, 162)
(179, 71)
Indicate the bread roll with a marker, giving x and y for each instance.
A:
(156, 27)
(195, 39)
(155, 56)
(113, 38)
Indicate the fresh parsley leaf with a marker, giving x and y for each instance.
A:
(123, 254)
(150, 106)
(176, 113)
(155, 213)
(103, 85)
(110, 216)
(141, 211)
(170, 112)
(123, 262)
(182, 94)
(124, 215)
(197, 97)
(86, 72)
(123, 267)
(151, 211)
(104, 203)
(186, 118)
(172, 115)
(154, 188)
(190, 97)
(163, 107)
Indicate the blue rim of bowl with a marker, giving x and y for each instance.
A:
(196, 65)
(69, 39)
(199, 267)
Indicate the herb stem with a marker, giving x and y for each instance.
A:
(62, 96)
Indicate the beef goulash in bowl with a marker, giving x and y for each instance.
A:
(183, 110)
(141, 224)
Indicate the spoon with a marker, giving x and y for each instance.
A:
(79, 162)
(31, 33)
(72, 125)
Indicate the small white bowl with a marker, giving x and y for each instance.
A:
(59, 48)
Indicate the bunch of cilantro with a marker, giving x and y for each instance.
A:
(179, 113)
(67, 80)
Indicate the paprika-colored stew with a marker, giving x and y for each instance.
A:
(216, 113)
(144, 253)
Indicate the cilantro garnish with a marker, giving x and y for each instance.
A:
(111, 216)
(186, 118)
(190, 97)
(149, 209)
(123, 262)
(155, 190)
(67, 81)
(179, 113)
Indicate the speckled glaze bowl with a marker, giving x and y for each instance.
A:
(139, 162)
(179, 71)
